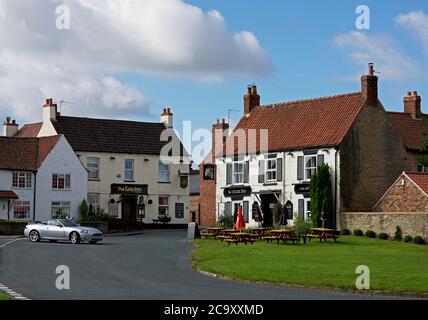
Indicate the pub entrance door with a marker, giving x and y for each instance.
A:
(268, 203)
(129, 208)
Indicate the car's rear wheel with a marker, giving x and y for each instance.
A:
(34, 236)
(74, 238)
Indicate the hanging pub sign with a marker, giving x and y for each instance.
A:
(129, 189)
(289, 210)
(184, 181)
(237, 192)
(302, 188)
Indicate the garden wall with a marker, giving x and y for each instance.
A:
(12, 228)
(411, 223)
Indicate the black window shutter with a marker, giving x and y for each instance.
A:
(320, 159)
(301, 209)
(246, 213)
(229, 173)
(300, 168)
(228, 209)
(279, 169)
(261, 171)
(246, 172)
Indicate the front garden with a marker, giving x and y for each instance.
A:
(394, 266)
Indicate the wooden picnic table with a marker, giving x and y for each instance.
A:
(322, 234)
(239, 237)
(259, 232)
(212, 232)
(283, 235)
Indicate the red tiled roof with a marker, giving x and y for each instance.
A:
(413, 131)
(25, 153)
(420, 179)
(29, 130)
(8, 195)
(303, 124)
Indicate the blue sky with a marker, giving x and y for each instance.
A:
(298, 36)
(129, 59)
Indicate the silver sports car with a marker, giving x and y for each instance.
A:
(62, 229)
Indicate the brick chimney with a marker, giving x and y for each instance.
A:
(220, 132)
(10, 128)
(369, 87)
(49, 111)
(167, 118)
(251, 99)
(412, 104)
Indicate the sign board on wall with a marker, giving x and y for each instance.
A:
(129, 189)
(237, 192)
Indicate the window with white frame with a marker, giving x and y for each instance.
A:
(164, 171)
(163, 206)
(94, 200)
(21, 209)
(270, 173)
(22, 180)
(61, 181)
(310, 166)
(238, 172)
(93, 166)
(129, 170)
(308, 210)
(60, 209)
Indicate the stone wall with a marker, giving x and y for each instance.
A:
(411, 223)
(15, 228)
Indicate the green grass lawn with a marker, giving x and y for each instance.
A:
(4, 296)
(394, 266)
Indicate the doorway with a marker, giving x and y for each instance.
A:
(236, 206)
(268, 203)
(129, 208)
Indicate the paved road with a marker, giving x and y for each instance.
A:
(154, 265)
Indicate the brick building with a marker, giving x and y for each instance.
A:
(194, 191)
(365, 147)
(409, 193)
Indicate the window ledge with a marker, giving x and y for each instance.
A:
(94, 180)
(131, 181)
(164, 182)
(270, 184)
(61, 189)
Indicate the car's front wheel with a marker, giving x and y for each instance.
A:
(34, 236)
(74, 238)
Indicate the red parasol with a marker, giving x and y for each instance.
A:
(240, 224)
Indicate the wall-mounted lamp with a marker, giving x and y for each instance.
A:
(112, 158)
(146, 160)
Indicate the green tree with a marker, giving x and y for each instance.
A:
(423, 159)
(322, 196)
(83, 208)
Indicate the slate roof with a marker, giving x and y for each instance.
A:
(301, 124)
(414, 131)
(25, 154)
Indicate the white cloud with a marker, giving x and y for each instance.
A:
(379, 49)
(107, 37)
(417, 23)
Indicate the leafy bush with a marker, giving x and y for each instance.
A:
(383, 236)
(398, 236)
(408, 238)
(370, 234)
(358, 233)
(300, 225)
(345, 232)
(419, 240)
(99, 215)
(83, 208)
(225, 221)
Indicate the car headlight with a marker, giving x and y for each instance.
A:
(84, 231)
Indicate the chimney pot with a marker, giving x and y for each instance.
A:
(371, 69)
(415, 93)
(7, 120)
(412, 104)
(251, 99)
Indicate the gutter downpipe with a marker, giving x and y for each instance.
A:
(34, 196)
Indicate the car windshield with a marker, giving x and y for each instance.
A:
(68, 223)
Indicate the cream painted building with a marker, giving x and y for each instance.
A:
(127, 177)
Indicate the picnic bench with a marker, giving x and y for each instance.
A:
(211, 232)
(283, 235)
(239, 237)
(322, 234)
(164, 220)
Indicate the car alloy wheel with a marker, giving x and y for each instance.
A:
(74, 238)
(34, 236)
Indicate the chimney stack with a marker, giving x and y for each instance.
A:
(220, 132)
(412, 104)
(10, 127)
(167, 118)
(251, 99)
(49, 111)
(369, 87)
